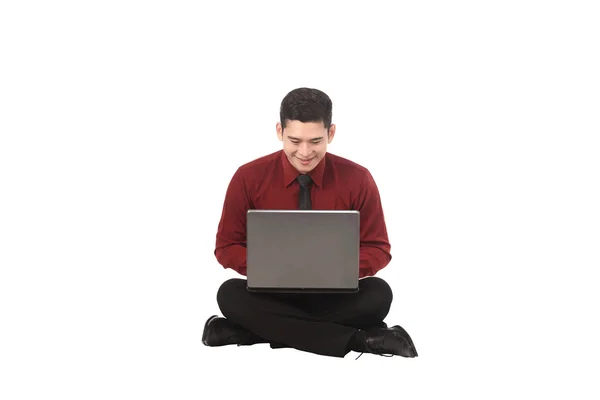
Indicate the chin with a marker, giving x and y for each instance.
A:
(303, 168)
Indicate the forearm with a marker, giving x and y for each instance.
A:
(233, 257)
(374, 243)
(372, 260)
(230, 245)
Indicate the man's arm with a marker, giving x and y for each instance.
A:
(230, 249)
(374, 244)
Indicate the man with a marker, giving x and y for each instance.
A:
(325, 324)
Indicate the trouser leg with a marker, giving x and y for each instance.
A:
(364, 309)
(317, 323)
(278, 319)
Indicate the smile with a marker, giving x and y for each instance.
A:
(304, 162)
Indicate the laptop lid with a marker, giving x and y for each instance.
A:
(303, 250)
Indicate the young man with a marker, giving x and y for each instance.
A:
(325, 324)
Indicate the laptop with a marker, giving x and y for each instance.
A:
(297, 251)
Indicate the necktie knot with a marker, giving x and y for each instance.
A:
(304, 180)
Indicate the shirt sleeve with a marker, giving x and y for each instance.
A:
(374, 243)
(230, 248)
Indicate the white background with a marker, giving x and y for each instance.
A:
(122, 122)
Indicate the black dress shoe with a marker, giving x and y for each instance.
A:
(220, 331)
(405, 334)
(391, 342)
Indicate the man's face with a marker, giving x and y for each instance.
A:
(305, 143)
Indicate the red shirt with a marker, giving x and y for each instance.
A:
(269, 182)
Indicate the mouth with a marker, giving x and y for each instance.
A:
(304, 162)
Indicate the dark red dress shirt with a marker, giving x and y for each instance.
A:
(269, 182)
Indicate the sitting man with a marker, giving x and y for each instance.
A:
(325, 324)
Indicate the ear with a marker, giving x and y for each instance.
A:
(331, 133)
(279, 129)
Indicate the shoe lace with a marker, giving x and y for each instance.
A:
(377, 349)
(236, 339)
(376, 353)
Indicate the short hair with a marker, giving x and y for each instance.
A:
(306, 105)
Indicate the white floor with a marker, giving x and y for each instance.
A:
(120, 327)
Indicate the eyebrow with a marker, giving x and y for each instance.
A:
(312, 140)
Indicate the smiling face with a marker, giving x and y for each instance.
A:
(305, 143)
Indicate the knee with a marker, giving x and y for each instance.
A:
(228, 295)
(379, 291)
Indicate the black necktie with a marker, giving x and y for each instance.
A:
(305, 182)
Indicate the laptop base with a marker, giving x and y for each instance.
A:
(302, 290)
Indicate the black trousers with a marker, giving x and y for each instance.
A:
(317, 323)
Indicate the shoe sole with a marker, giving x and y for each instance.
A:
(208, 321)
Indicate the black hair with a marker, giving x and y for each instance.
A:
(306, 105)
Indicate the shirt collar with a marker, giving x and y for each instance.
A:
(290, 173)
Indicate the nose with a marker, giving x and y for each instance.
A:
(304, 150)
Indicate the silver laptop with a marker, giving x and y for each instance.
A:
(303, 250)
